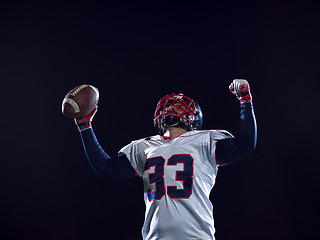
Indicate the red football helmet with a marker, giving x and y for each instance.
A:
(177, 110)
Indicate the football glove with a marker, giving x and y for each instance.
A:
(85, 122)
(240, 88)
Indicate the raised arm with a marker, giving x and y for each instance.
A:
(233, 149)
(104, 165)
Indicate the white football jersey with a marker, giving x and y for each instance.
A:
(178, 176)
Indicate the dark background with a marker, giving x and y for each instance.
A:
(136, 53)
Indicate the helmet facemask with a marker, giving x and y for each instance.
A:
(176, 110)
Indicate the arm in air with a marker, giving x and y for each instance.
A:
(233, 149)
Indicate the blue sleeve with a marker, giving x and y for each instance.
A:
(104, 165)
(233, 149)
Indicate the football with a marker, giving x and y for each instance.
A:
(80, 101)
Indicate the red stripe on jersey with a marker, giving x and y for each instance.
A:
(219, 163)
(135, 172)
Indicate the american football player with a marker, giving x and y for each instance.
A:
(179, 165)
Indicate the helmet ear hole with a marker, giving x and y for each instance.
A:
(198, 118)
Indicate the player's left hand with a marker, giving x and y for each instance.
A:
(241, 88)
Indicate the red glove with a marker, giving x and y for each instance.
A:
(85, 122)
(240, 88)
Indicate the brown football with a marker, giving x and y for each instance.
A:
(80, 101)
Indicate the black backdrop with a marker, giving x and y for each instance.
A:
(136, 53)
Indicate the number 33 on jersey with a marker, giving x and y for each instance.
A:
(173, 177)
(174, 168)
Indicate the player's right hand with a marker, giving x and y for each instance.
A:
(85, 122)
(241, 88)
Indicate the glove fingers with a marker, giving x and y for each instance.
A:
(241, 85)
(240, 88)
(237, 85)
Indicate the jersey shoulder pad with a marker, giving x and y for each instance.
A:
(226, 133)
(214, 134)
(221, 134)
